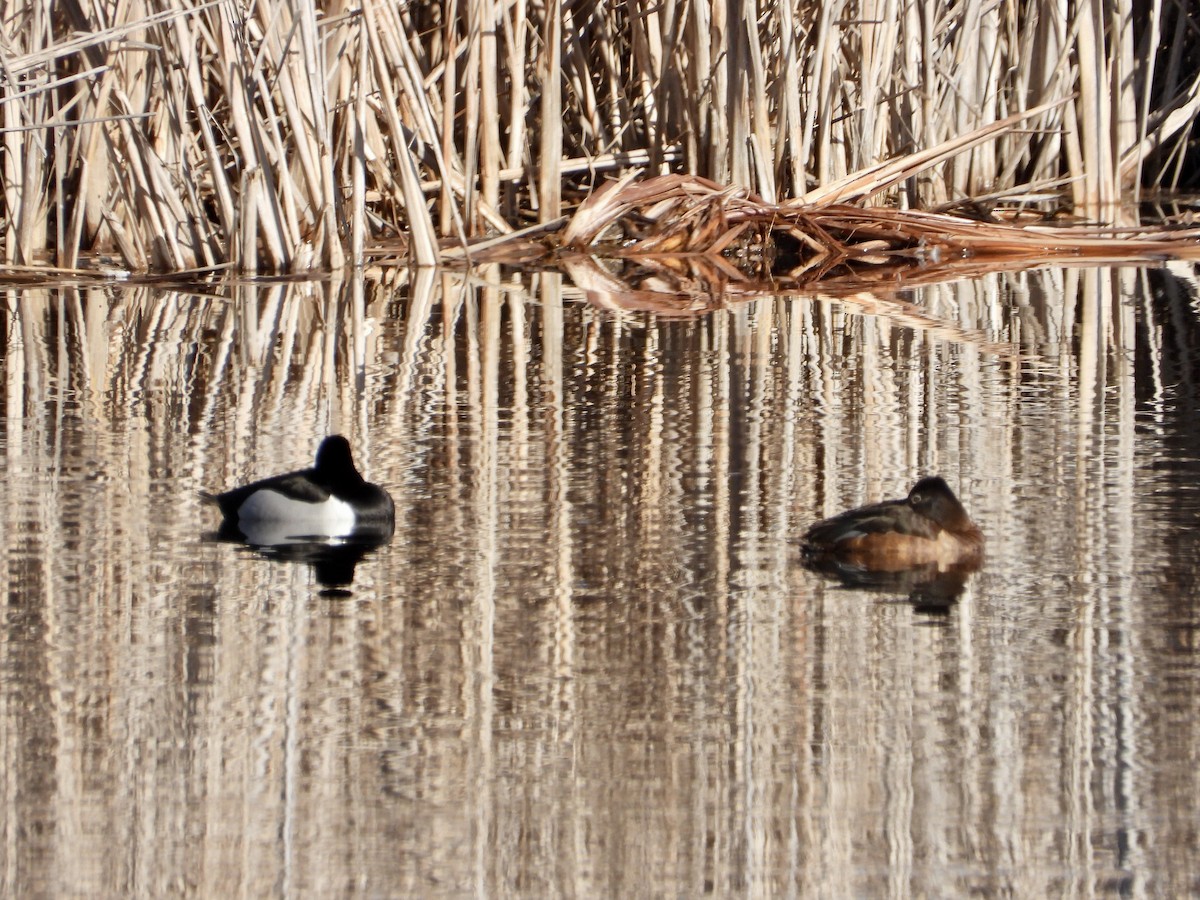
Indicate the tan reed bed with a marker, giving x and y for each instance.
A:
(286, 135)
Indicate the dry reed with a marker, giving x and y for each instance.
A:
(285, 135)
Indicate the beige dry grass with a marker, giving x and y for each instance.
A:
(286, 135)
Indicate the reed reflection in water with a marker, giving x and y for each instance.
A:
(589, 662)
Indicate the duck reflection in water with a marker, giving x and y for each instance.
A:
(328, 516)
(923, 545)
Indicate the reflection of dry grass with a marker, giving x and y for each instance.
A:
(686, 287)
(591, 618)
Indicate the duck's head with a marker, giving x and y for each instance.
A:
(932, 498)
(334, 460)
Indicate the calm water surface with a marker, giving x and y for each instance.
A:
(590, 662)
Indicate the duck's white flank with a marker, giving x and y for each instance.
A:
(332, 518)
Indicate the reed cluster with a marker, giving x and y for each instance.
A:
(284, 135)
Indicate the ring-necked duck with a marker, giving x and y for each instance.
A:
(330, 500)
(929, 527)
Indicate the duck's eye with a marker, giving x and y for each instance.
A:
(916, 499)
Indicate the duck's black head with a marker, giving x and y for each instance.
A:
(932, 498)
(334, 461)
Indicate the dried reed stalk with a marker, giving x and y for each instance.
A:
(292, 134)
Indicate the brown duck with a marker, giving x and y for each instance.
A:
(928, 528)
